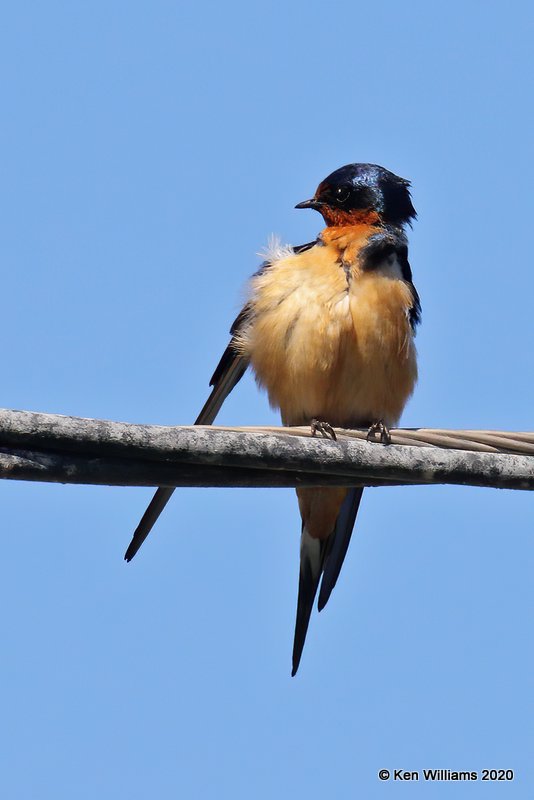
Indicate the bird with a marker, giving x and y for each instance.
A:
(328, 329)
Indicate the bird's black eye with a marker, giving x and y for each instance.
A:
(342, 194)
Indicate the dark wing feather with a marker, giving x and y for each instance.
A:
(228, 373)
(154, 509)
(231, 369)
(388, 242)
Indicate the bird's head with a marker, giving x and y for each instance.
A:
(360, 193)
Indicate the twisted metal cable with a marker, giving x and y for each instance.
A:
(481, 441)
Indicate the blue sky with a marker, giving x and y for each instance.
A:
(147, 152)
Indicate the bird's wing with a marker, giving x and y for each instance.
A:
(228, 373)
(388, 243)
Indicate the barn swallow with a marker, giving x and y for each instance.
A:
(328, 330)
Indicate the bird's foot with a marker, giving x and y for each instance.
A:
(324, 428)
(382, 429)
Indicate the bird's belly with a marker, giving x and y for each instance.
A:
(345, 356)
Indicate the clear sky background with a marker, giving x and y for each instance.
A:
(147, 151)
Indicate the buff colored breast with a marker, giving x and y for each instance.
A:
(330, 341)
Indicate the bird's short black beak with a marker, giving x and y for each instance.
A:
(315, 204)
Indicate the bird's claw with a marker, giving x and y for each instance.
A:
(381, 428)
(324, 428)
